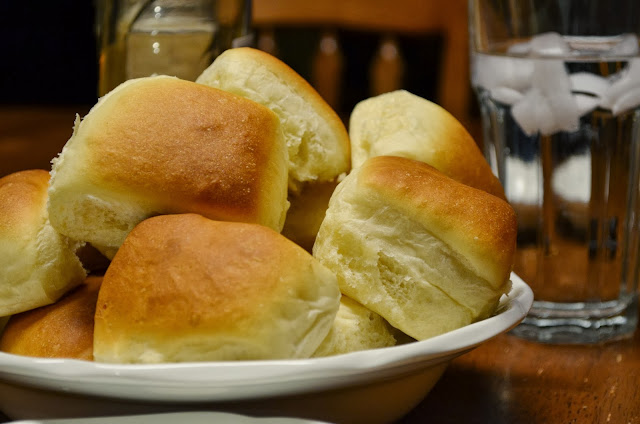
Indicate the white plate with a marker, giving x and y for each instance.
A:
(370, 386)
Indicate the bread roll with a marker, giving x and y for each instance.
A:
(307, 212)
(425, 252)
(161, 145)
(316, 138)
(186, 288)
(61, 330)
(402, 124)
(38, 264)
(356, 328)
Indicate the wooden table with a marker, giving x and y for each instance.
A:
(31, 136)
(506, 380)
(510, 380)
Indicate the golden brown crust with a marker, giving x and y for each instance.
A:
(190, 286)
(219, 285)
(60, 330)
(465, 163)
(402, 124)
(22, 197)
(483, 227)
(186, 147)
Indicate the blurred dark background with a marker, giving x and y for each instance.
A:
(420, 54)
(49, 55)
(48, 52)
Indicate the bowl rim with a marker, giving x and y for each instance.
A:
(244, 380)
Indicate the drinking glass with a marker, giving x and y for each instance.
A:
(558, 84)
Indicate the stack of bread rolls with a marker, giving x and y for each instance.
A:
(236, 225)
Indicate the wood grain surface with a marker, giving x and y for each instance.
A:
(510, 380)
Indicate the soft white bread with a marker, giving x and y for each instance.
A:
(402, 124)
(61, 330)
(356, 328)
(427, 253)
(38, 264)
(162, 145)
(186, 288)
(316, 138)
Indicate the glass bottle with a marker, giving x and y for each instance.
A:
(181, 38)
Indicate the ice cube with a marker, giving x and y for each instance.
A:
(505, 95)
(584, 82)
(497, 71)
(627, 101)
(566, 116)
(533, 113)
(549, 44)
(624, 82)
(551, 79)
(586, 103)
(550, 76)
(627, 46)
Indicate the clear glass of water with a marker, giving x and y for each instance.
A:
(558, 83)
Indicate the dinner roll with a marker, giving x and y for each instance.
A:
(427, 253)
(186, 288)
(37, 264)
(356, 328)
(161, 145)
(61, 330)
(316, 138)
(307, 212)
(402, 124)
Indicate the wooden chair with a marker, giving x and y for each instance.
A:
(391, 22)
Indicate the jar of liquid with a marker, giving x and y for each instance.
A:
(140, 38)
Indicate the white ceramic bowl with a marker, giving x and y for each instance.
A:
(373, 386)
(195, 417)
